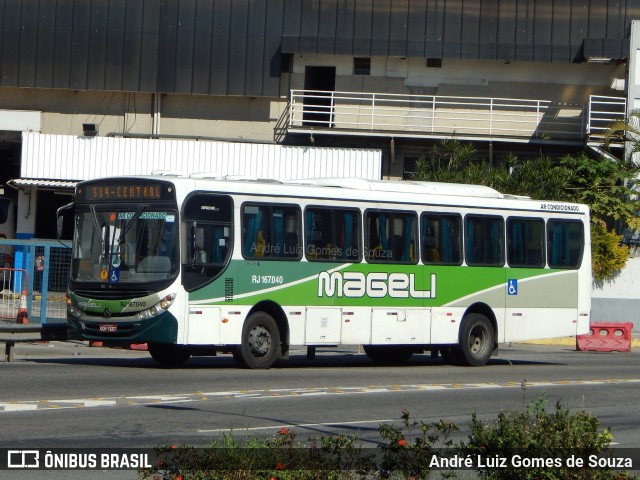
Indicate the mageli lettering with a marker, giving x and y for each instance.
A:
(373, 285)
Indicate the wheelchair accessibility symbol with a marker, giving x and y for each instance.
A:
(512, 286)
(115, 275)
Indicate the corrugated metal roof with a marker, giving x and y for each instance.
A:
(221, 47)
(540, 30)
(43, 184)
(234, 47)
(66, 157)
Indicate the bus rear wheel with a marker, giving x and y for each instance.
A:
(388, 354)
(477, 340)
(169, 355)
(260, 342)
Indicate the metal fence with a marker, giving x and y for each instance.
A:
(36, 280)
(603, 111)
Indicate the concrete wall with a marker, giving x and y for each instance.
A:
(64, 112)
(618, 299)
(469, 78)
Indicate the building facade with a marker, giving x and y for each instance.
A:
(514, 76)
(395, 76)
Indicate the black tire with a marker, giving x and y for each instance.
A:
(238, 357)
(389, 355)
(260, 342)
(451, 355)
(477, 340)
(169, 355)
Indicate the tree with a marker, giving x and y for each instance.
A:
(604, 184)
(626, 130)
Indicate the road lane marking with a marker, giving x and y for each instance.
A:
(19, 407)
(244, 394)
(298, 425)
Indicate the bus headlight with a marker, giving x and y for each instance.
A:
(71, 308)
(158, 308)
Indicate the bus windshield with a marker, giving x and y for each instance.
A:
(125, 246)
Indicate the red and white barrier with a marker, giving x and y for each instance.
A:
(606, 337)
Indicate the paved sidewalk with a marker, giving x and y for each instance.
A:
(571, 341)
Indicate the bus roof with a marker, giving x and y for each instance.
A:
(411, 186)
(344, 189)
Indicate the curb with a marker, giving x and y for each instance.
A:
(569, 341)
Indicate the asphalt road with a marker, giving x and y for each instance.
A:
(71, 395)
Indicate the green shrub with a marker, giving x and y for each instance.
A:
(554, 437)
(609, 255)
(543, 441)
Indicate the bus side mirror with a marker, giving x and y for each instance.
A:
(62, 213)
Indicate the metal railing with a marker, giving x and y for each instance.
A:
(507, 119)
(603, 111)
(433, 115)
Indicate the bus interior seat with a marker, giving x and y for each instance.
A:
(432, 254)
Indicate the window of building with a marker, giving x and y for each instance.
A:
(409, 169)
(332, 234)
(362, 66)
(441, 238)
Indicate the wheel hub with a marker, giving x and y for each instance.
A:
(477, 342)
(259, 341)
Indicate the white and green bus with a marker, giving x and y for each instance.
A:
(195, 266)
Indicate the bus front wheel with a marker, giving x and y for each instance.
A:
(260, 342)
(169, 355)
(477, 340)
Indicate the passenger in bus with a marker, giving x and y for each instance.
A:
(261, 243)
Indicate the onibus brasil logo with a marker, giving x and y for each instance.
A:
(373, 285)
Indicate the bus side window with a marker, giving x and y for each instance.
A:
(484, 240)
(332, 234)
(440, 238)
(565, 243)
(525, 242)
(391, 236)
(270, 232)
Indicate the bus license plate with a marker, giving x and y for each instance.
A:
(108, 328)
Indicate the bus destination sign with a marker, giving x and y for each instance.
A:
(138, 191)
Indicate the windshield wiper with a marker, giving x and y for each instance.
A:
(99, 234)
(129, 223)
